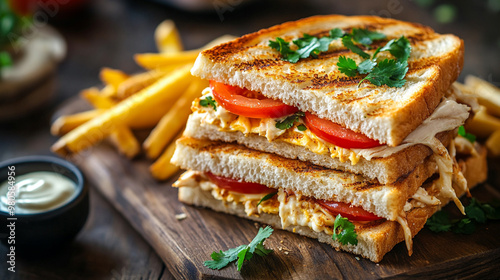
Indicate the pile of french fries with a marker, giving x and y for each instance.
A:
(158, 99)
(486, 123)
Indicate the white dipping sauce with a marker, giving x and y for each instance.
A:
(36, 192)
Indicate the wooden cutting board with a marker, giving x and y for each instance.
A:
(151, 207)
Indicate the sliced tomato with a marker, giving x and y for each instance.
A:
(338, 135)
(249, 103)
(238, 186)
(348, 211)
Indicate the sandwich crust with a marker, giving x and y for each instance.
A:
(316, 85)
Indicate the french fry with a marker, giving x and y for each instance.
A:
(113, 77)
(165, 90)
(483, 124)
(162, 169)
(124, 140)
(493, 144)
(96, 99)
(159, 60)
(65, 124)
(138, 82)
(173, 121)
(487, 94)
(167, 37)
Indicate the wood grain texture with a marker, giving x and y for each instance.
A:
(184, 245)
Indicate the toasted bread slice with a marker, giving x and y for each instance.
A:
(374, 239)
(384, 113)
(236, 161)
(386, 170)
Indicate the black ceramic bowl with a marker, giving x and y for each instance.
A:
(53, 228)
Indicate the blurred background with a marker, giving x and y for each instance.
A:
(108, 33)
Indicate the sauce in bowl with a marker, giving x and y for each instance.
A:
(36, 192)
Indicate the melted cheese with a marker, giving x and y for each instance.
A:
(295, 209)
(192, 179)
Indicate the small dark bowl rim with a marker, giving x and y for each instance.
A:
(81, 187)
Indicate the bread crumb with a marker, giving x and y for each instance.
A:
(357, 258)
(294, 230)
(181, 216)
(286, 252)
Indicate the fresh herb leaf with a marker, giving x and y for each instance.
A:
(284, 48)
(388, 72)
(336, 33)
(347, 66)
(302, 127)
(469, 136)
(209, 101)
(366, 66)
(365, 36)
(241, 253)
(439, 222)
(343, 231)
(5, 60)
(399, 48)
(288, 121)
(476, 213)
(266, 197)
(348, 43)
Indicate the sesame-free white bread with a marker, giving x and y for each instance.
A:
(386, 170)
(383, 113)
(373, 242)
(236, 161)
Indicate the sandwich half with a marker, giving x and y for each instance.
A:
(306, 198)
(319, 137)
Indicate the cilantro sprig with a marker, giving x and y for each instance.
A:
(289, 121)
(344, 231)
(241, 253)
(209, 101)
(390, 72)
(469, 136)
(476, 213)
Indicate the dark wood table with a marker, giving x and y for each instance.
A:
(108, 33)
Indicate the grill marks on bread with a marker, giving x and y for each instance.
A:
(315, 84)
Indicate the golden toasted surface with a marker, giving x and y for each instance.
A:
(316, 85)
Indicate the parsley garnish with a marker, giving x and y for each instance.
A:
(288, 121)
(365, 36)
(388, 72)
(343, 231)
(243, 252)
(284, 48)
(209, 101)
(476, 213)
(347, 66)
(302, 127)
(399, 48)
(348, 43)
(469, 136)
(266, 197)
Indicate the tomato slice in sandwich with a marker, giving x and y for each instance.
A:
(338, 135)
(238, 186)
(248, 103)
(353, 213)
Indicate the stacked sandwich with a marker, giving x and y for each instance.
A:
(289, 137)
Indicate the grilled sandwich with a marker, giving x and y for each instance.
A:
(323, 140)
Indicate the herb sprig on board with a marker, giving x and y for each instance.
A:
(241, 253)
(476, 213)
